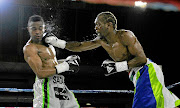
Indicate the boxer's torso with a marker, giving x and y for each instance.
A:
(117, 50)
(47, 55)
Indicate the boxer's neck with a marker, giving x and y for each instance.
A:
(111, 37)
(36, 42)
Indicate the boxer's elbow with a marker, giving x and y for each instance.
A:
(40, 76)
(143, 60)
(73, 46)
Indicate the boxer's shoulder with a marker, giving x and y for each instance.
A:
(29, 48)
(126, 35)
(123, 32)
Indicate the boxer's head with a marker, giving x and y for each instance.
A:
(105, 21)
(36, 27)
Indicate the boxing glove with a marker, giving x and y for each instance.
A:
(50, 38)
(73, 62)
(70, 64)
(114, 67)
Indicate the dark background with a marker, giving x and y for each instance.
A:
(157, 31)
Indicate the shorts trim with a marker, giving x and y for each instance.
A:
(148, 90)
(45, 91)
(177, 103)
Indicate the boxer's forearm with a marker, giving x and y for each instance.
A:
(137, 61)
(45, 72)
(73, 46)
(81, 46)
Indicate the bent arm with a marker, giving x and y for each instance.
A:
(83, 46)
(34, 61)
(135, 49)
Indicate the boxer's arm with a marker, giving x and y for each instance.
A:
(34, 61)
(83, 46)
(135, 49)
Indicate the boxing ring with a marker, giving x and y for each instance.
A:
(83, 91)
(74, 91)
(101, 94)
(17, 80)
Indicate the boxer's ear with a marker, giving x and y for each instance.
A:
(109, 24)
(28, 28)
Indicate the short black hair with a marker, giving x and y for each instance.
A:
(35, 18)
(109, 17)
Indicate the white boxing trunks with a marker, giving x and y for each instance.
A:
(52, 92)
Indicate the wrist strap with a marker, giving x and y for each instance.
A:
(62, 67)
(121, 66)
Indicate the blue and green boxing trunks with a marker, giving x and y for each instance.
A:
(150, 90)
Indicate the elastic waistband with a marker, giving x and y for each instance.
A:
(59, 79)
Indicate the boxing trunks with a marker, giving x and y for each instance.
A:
(150, 90)
(52, 92)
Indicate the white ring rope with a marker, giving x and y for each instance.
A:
(84, 91)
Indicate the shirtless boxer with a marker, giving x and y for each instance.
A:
(49, 88)
(128, 55)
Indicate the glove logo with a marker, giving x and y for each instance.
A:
(109, 69)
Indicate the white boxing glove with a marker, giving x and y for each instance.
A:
(70, 64)
(73, 62)
(114, 67)
(53, 40)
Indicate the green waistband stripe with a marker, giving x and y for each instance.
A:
(45, 91)
(43, 94)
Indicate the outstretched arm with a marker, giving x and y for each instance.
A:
(73, 45)
(83, 46)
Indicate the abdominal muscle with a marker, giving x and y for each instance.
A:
(49, 63)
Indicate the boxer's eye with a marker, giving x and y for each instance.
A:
(33, 28)
(40, 28)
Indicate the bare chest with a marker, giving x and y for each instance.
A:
(45, 53)
(116, 51)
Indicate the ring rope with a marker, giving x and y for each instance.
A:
(83, 91)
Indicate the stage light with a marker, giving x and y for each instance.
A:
(140, 4)
(4, 3)
(88, 104)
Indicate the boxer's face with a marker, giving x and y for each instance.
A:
(100, 26)
(36, 30)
